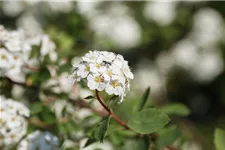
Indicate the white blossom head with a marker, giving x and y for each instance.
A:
(16, 48)
(103, 70)
(39, 140)
(13, 124)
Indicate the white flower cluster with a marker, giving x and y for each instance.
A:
(16, 48)
(13, 124)
(104, 71)
(39, 141)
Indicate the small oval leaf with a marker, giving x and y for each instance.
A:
(148, 120)
(102, 128)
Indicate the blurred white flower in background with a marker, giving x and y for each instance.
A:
(13, 124)
(87, 8)
(198, 53)
(32, 3)
(124, 31)
(30, 24)
(149, 75)
(16, 49)
(203, 64)
(208, 28)
(162, 13)
(12, 8)
(61, 6)
(185, 54)
(16, 8)
(39, 140)
(209, 67)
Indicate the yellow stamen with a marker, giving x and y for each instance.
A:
(115, 84)
(12, 136)
(75, 75)
(15, 57)
(3, 56)
(87, 68)
(109, 73)
(13, 119)
(99, 79)
(98, 66)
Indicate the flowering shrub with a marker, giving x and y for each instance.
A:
(101, 103)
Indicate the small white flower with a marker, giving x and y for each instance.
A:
(108, 57)
(96, 82)
(118, 61)
(108, 74)
(5, 57)
(127, 71)
(83, 70)
(74, 78)
(114, 87)
(97, 68)
(92, 56)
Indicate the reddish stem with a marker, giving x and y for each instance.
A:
(111, 113)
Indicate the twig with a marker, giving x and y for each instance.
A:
(35, 69)
(39, 123)
(15, 82)
(113, 115)
(82, 104)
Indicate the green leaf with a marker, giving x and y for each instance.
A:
(36, 108)
(142, 144)
(89, 97)
(89, 142)
(102, 128)
(144, 99)
(117, 139)
(71, 127)
(43, 74)
(167, 136)
(148, 120)
(61, 130)
(219, 139)
(176, 109)
(47, 115)
(112, 101)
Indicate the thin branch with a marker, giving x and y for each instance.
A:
(113, 115)
(34, 69)
(17, 83)
(39, 123)
(82, 104)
